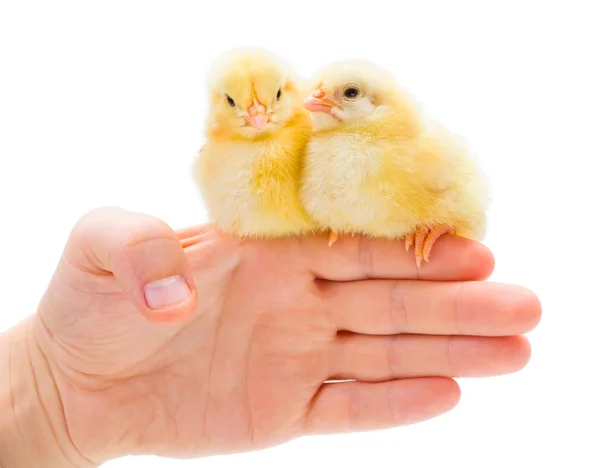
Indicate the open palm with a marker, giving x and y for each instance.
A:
(246, 360)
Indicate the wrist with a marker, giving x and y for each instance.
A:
(33, 431)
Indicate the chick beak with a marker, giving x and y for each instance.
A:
(258, 116)
(317, 102)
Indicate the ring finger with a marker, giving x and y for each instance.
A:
(381, 358)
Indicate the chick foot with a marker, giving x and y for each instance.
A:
(423, 239)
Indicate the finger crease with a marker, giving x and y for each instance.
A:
(397, 311)
(449, 355)
(392, 404)
(365, 258)
(395, 357)
(457, 306)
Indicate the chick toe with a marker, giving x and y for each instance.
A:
(332, 238)
(409, 241)
(433, 235)
(423, 238)
(420, 236)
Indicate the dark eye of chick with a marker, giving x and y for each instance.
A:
(230, 101)
(351, 92)
(279, 94)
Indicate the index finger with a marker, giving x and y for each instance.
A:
(358, 258)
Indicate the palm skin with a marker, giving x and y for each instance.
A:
(241, 365)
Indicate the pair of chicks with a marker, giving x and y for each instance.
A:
(349, 154)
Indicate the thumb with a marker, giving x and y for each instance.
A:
(143, 254)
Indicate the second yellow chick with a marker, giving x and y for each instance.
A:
(375, 167)
(257, 132)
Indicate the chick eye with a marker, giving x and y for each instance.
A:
(351, 92)
(230, 101)
(279, 94)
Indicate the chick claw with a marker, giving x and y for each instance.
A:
(332, 238)
(423, 239)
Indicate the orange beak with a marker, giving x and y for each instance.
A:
(317, 102)
(257, 115)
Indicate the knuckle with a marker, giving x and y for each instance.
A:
(104, 233)
(90, 222)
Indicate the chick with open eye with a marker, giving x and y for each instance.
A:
(257, 131)
(376, 167)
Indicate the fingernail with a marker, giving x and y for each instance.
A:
(166, 292)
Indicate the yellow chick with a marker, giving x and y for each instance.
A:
(375, 167)
(257, 131)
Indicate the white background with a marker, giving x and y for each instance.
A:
(103, 103)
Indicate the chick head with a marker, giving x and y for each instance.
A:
(252, 93)
(348, 92)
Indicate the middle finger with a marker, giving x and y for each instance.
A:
(386, 307)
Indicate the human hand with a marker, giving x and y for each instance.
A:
(240, 362)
